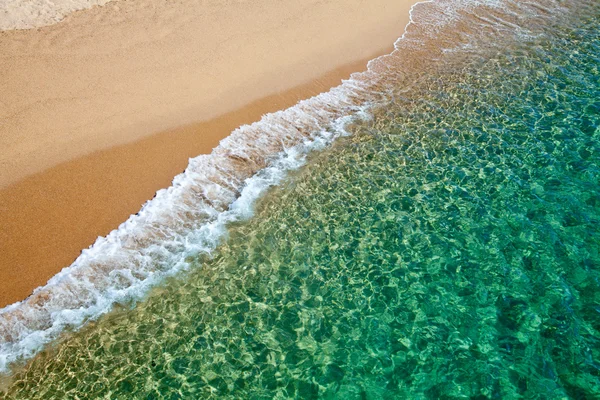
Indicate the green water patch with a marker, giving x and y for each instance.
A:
(450, 248)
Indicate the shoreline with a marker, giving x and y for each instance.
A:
(86, 193)
(88, 181)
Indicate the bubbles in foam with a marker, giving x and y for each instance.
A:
(19, 14)
(180, 222)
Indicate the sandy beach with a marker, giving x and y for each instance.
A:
(102, 109)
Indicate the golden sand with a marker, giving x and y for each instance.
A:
(101, 110)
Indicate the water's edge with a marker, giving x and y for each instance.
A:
(20, 15)
(181, 221)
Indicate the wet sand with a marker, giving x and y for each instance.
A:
(103, 109)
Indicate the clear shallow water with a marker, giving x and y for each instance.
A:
(448, 248)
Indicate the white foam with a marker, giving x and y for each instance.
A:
(27, 14)
(188, 218)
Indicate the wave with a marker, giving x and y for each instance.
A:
(191, 217)
(19, 14)
(179, 223)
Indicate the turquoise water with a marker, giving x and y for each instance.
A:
(448, 248)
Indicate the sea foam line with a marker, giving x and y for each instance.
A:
(192, 215)
(19, 14)
(188, 218)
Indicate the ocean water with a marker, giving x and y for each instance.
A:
(431, 229)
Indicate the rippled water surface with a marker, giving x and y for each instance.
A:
(448, 248)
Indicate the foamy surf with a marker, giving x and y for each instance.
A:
(181, 222)
(191, 216)
(19, 14)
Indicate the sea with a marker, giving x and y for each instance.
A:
(428, 229)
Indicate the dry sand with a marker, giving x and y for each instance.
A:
(101, 110)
